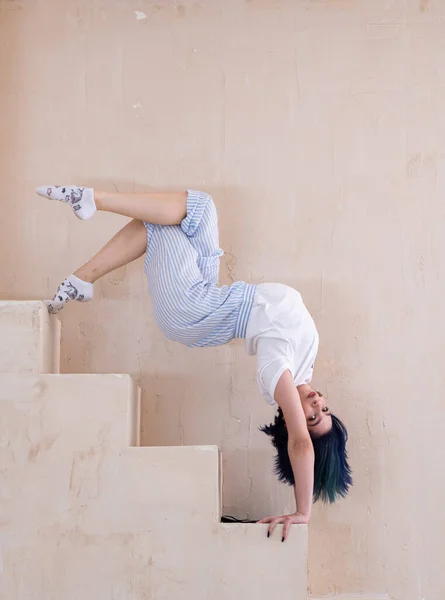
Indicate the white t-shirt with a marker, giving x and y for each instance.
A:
(283, 335)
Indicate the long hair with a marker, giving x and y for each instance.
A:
(332, 473)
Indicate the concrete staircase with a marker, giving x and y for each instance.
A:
(88, 514)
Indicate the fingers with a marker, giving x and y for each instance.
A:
(272, 525)
(274, 521)
(286, 529)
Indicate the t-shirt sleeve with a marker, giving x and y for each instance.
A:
(270, 376)
(307, 376)
(273, 360)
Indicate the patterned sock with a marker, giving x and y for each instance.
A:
(72, 288)
(80, 199)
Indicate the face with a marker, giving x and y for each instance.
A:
(317, 412)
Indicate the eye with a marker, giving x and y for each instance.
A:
(326, 409)
(312, 418)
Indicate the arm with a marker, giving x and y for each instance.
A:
(300, 448)
(301, 454)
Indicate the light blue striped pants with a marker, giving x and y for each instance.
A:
(182, 267)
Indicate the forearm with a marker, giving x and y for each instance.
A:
(302, 459)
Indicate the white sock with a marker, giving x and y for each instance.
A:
(72, 288)
(80, 199)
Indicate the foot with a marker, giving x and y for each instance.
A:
(80, 199)
(72, 288)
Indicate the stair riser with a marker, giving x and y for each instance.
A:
(29, 338)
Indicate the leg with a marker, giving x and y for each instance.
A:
(159, 208)
(126, 246)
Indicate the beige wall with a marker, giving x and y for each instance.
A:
(319, 127)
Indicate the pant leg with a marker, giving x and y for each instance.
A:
(182, 266)
(201, 228)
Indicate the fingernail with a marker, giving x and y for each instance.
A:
(282, 539)
(268, 534)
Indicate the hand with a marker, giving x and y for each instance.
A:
(287, 520)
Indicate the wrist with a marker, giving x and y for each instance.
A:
(304, 516)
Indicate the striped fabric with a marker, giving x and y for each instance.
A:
(182, 269)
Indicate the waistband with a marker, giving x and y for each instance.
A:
(245, 310)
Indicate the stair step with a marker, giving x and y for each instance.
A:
(74, 411)
(162, 490)
(181, 563)
(85, 513)
(260, 567)
(29, 338)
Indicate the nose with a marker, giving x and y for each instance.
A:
(315, 402)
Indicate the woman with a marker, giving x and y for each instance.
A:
(178, 233)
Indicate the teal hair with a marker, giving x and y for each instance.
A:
(332, 473)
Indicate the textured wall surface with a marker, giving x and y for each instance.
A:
(319, 127)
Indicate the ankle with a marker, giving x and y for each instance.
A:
(86, 276)
(99, 198)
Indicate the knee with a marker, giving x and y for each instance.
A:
(201, 211)
(208, 211)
